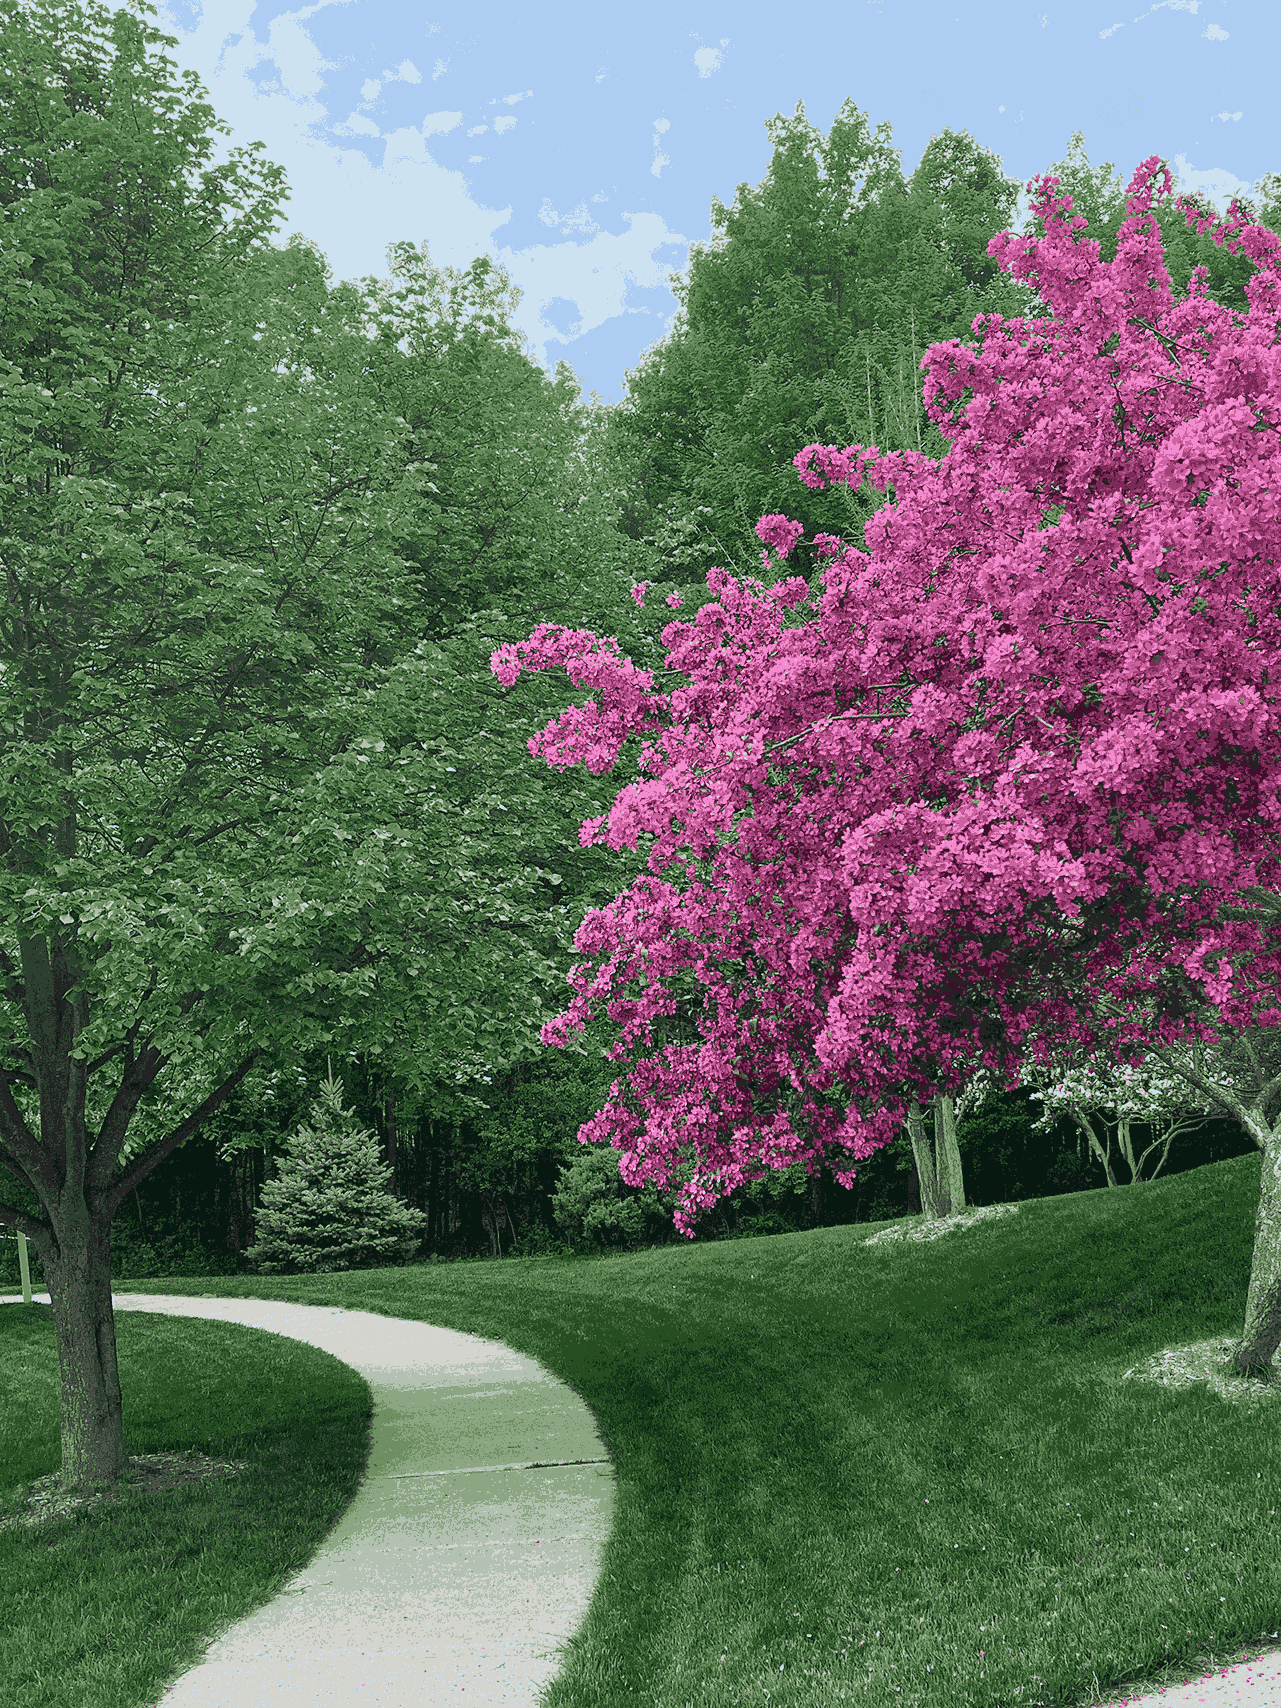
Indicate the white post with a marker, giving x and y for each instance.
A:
(24, 1267)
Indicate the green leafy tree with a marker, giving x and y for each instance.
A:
(595, 1211)
(803, 319)
(330, 1207)
(231, 827)
(520, 517)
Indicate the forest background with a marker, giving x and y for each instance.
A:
(803, 319)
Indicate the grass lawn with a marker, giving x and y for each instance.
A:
(905, 1472)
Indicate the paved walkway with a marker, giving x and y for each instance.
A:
(473, 1544)
(469, 1552)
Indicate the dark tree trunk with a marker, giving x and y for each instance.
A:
(816, 1196)
(390, 1111)
(77, 1266)
(433, 1192)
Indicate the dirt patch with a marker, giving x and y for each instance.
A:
(45, 1500)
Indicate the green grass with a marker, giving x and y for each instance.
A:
(902, 1473)
(101, 1609)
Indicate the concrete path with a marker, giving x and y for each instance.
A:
(1255, 1683)
(473, 1544)
(469, 1552)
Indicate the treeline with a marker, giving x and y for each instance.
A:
(517, 1183)
(509, 501)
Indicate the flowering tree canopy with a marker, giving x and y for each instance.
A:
(1021, 747)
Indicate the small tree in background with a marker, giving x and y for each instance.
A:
(330, 1206)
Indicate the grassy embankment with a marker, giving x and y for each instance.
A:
(903, 1472)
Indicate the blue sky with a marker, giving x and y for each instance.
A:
(581, 147)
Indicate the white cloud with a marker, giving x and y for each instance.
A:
(511, 100)
(661, 127)
(405, 72)
(478, 130)
(601, 75)
(580, 220)
(505, 123)
(1193, 6)
(1225, 117)
(347, 203)
(369, 88)
(596, 276)
(1213, 33)
(708, 59)
(474, 159)
(439, 69)
(352, 202)
(1215, 183)
(357, 124)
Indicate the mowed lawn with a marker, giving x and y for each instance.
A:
(912, 1471)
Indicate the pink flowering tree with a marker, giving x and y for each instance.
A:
(1019, 747)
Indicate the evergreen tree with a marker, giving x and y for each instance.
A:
(330, 1206)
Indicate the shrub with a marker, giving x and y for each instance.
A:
(595, 1209)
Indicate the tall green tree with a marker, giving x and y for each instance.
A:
(804, 318)
(232, 830)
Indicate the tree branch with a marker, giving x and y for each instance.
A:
(142, 1166)
(24, 1223)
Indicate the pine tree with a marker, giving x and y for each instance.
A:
(330, 1207)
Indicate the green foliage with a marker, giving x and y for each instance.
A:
(597, 1211)
(260, 791)
(1098, 195)
(519, 514)
(804, 318)
(329, 1207)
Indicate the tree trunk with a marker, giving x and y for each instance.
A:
(79, 1279)
(1105, 1156)
(390, 1115)
(1262, 1337)
(922, 1152)
(938, 1166)
(949, 1155)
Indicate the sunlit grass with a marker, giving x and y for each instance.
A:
(913, 1471)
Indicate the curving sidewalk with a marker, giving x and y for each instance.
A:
(469, 1552)
(473, 1544)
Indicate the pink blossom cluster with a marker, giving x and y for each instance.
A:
(1025, 746)
(778, 532)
